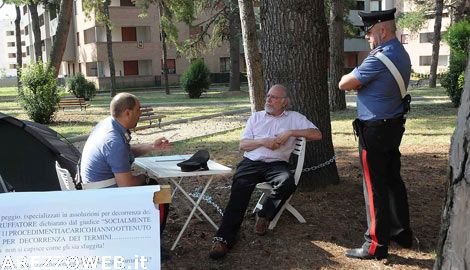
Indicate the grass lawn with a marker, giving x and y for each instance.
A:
(432, 115)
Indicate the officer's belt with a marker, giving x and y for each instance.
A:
(100, 184)
(380, 122)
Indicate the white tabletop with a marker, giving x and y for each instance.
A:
(165, 166)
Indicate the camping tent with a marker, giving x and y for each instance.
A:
(28, 152)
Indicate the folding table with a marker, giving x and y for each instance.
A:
(165, 167)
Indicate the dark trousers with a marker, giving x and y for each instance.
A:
(384, 191)
(248, 174)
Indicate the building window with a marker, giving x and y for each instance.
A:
(78, 38)
(131, 68)
(195, 30)
(23, 54)
(171, 64)
(23, 43)
(425, 60)
(89, 35)
(10, 33)
(41, 20)
(224, 64)
(26, 30)
(43, 45)
(25, 9)
(12, 66)
(52, 12)
(375, 5)
(12, 55)
(127, 3)
(92, 69)
(404, 38)
(359, 5)
(27, 50)
(426, 37)
(11, 44)
(129, 34)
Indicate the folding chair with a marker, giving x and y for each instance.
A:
(65, 179)
(267, 188)
(3, 186)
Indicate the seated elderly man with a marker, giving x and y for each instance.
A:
(108, 155)
(268, 140)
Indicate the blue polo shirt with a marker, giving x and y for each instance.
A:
(379, 97)
(107, 151)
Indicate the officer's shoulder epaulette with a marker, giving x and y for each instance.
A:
(374, 51)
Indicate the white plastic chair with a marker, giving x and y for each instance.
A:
(65, 179)
(267, 188)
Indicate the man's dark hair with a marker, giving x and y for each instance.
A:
(122, 102)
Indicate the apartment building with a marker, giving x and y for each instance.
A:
(7, 48)
(136, 46)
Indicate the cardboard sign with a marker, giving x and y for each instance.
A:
(114, 228)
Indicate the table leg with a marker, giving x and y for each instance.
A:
(200, 197)
(187, 204)
(196, 207)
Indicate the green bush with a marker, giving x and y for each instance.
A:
(38, 94)
(195, 79)
(81, 87)
(457, 36)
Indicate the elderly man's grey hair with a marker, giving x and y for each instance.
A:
(286, 93)
(122, 102)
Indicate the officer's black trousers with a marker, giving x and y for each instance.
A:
(384, 191)
(248, 174)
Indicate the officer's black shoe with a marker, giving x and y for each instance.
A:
(360, 253)
(404, 238)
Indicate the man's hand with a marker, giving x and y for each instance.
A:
(282, 138)
(161, 144)
(271, 143)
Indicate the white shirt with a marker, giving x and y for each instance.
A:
(263, 125)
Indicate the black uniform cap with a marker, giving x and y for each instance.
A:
(198, 162)
(371, 18)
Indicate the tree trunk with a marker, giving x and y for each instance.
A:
(295, 54)
(164, 52)
(336, 69)
(109, 45)
(436, 43)
(234, 40)
(33, 11)
(460, 11)
(60, 39)
(252, 55)
(452, 248)
(19, 51)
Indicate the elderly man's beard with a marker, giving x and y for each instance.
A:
(377, 42)
(269, 108)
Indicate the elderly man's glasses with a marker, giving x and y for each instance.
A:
(273, 97)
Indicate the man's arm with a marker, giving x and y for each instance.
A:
(161, 144)
(252, 144)
(349, 82)
(126, 179)
(310, 134)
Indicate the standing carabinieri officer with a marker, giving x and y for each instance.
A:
(381, 108)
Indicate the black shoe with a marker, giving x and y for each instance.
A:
(360, 253)
(403, 239)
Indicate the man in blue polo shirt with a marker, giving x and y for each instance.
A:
(380, 126)
(108, 155)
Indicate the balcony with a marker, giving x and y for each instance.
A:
(128, 50)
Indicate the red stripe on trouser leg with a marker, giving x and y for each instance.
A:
(162, 213)
(370, 197)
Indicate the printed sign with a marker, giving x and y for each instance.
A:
(114, 228)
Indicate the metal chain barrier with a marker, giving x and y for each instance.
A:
(197, 192)
(324, 164)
